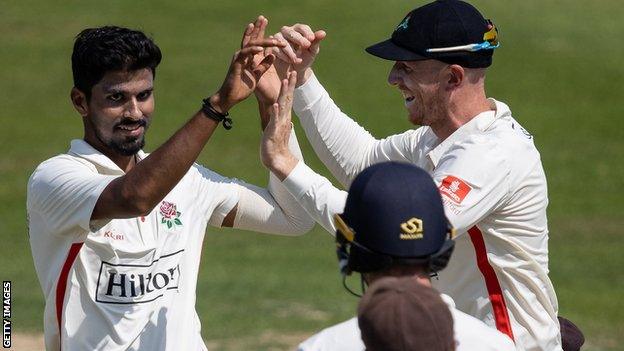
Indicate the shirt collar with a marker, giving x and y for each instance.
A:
(84, 150)
(479, 123)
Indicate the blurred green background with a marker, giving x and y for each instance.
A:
(559, 69)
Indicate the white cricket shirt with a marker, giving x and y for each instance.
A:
(494, 191)
(122, 284)
(470, 335)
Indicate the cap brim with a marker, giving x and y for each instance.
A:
(390, 51)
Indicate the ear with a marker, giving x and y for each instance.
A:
(79, 100)
(456, 76)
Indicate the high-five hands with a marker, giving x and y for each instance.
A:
(274, 152)
(247, 66)
(301, 45)
(299, 48)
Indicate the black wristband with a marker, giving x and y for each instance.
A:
(215, 115)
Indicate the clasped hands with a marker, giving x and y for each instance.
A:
(271, 68)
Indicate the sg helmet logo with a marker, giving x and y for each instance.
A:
(412, 229)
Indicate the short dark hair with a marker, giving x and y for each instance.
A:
(110, 48)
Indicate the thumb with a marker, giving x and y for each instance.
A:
(263, 66)
(319, 35)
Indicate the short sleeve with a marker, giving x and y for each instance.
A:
(64, 191)
(217, 195)
(473, 181)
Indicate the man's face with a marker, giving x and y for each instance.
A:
(119, 111)
(420, 84)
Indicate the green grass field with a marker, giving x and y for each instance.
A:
(559, 68)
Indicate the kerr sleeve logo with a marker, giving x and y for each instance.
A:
(454, 189)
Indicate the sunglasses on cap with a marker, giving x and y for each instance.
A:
(490, 42)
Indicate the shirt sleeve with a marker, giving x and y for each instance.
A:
(345, 336)
(64, 192)
(316, 194)
(269, 210)
(473, 181)
(343, 145)
(216, 195)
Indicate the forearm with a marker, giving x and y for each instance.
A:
(316, 195)
(258, 211)
(341, 143)
(162, 170)
(263, 111)
(305, 75)
(286, 201)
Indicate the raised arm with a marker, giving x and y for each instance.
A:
(315, 193)
(342, 144)
(145, 185)
(272, 210)
(345, 147)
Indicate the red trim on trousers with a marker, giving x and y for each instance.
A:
(501, 316)
(61, 285)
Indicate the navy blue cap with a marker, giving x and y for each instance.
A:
(395, 209)
(441, 24)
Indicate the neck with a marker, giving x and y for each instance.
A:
(426, 281)
(125, 163)
(462, 107)
(421, 277)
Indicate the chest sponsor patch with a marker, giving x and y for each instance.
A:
(138, 283)
(454, 189)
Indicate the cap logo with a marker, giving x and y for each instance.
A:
(403, 25)
(412, 229)
(454, 189)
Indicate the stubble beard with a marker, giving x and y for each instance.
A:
(435, 112)
(127, 147)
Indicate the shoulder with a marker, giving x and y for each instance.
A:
(471, 332)
(64, 161)
(343, 336)
(414, 142)
(414, 136)
(56, 167)
(199, 173)
(474, 157)
(494, 138)
(210, 190)
(507, 131)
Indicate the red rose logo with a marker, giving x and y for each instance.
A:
(170, 215)
(168, 210)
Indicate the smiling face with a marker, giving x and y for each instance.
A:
(420, 82)
(118, 112)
